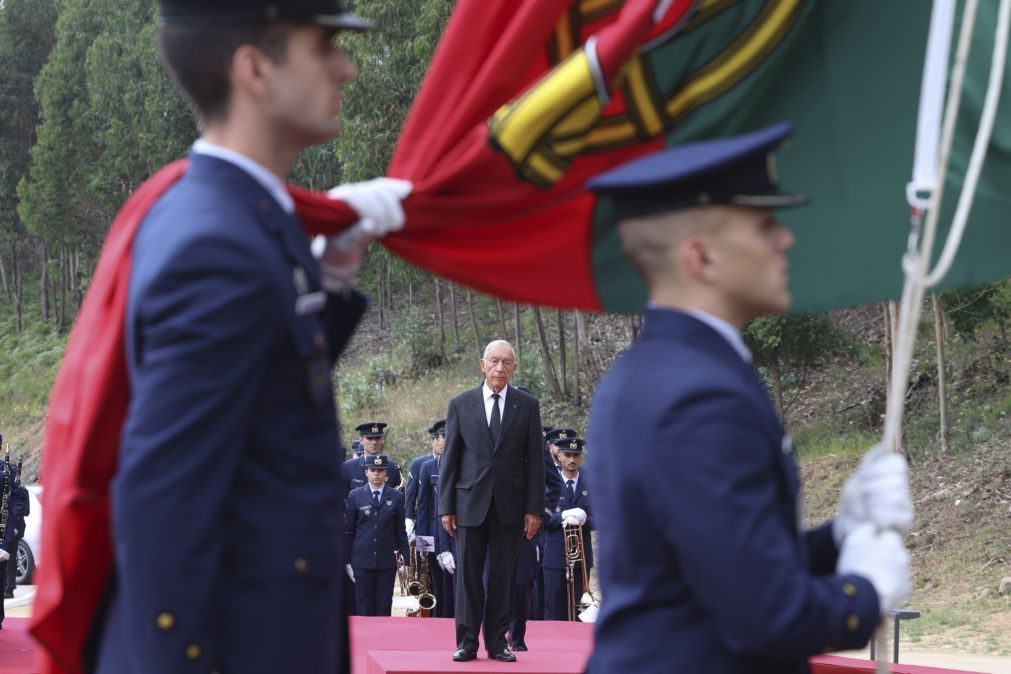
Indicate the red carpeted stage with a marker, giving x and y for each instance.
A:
(424, 646)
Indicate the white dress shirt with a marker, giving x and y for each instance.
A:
(488, 401)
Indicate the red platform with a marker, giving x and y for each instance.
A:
(425, 646)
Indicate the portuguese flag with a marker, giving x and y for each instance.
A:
(509, 125)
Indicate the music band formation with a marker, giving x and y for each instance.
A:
(395, 538)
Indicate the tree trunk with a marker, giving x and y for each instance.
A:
(381, 278)
(577, 398)
(888, 345)
(562, 356)
(501, 318)
(517, 344)
(3, 277)
(442, 319)
(44, 282)
(632, 327)
(473, 323)
(942, 397)
(76, 281)
(456, 316)
(16, 286)
(777, 386)
(549, 368)
(410, 294)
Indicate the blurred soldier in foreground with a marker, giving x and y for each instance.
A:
(703, 564)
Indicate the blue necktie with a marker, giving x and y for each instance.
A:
(375, 498)
(569, 486)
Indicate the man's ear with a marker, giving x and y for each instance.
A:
(249, 71)
(694, 257)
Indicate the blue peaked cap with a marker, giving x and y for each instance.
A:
(735, 171)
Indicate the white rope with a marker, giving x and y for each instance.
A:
(919, 251)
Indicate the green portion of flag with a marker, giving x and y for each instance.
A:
(847, 75)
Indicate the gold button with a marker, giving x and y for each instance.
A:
(849, 589)
(165, 621)
(301, 565)
(193, 652)
(853, 622)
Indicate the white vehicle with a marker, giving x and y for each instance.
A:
(29, 546)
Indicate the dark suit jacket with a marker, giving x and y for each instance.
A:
(411, 488)
(473, 468)
(374, 536)
(428, 498)
(226, 509)
(708, 571)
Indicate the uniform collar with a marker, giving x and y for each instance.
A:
(255, 170)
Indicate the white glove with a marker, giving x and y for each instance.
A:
(576, 513)
(377, 203)
(4, 556)
(351, 573)
(879, 556)
(877, 492)
(438, 558)
(409, 526)
(447, 562)
(570, 521)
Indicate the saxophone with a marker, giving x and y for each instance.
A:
(5, 495)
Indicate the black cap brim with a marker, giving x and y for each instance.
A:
(343, 22)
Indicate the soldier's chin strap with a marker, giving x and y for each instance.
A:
(925, 190)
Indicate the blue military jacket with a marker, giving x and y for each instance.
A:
(353, 474)
(411, 490)
(428, 498)
(375, 534)
(554, 543)
(709, 571)
(226, 511)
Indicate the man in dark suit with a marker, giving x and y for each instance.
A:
(573, 510)
(703, 564)
(491, 493)
(227, 455)
(375, 535)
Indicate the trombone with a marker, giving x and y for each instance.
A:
(575, 553)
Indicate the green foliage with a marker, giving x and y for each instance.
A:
(796, 341)
(360, 388)
(417, 345)
(968, 310)
(29, 361)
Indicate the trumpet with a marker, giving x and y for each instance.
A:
(575, 554)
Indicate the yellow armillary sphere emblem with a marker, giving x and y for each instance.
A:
(561, 116)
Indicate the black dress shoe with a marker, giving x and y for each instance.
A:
(505, 655)
(8, 595)
(519, 646)
(463, 655)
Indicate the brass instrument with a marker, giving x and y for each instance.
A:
(575, 553)
(420, 584)
(5, 494)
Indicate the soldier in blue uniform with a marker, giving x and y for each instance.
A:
(442, 563)
(375, 535)
(373, 441)
(703, 564)
(573, 510)
(226, 505)
(356, 448)
(437, 433)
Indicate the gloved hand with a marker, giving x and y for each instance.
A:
(377, 203)
(351, 573)
(447, 562)
(570, 521)
(409, 526)
(879, 556)
(576, 513)
(877, 492)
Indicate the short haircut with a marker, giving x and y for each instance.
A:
(198, 58)
(497, 342)
(648, 240)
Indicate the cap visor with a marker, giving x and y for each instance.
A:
(781, 200)
(344, 22)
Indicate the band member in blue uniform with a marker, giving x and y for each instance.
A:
(437, 433)
(703, 564)
(375, 535)
(443, 562)
(226, 505)
(573, 510)
(373, 441)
